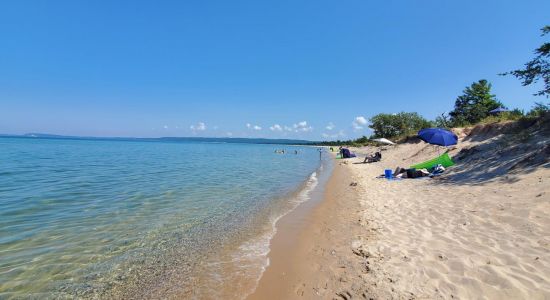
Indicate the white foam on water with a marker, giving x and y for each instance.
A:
(252, 256)
(236, 274)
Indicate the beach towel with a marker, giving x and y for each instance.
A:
(443, 160)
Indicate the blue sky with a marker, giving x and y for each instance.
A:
(317, 69)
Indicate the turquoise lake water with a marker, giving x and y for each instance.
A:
(117, 219)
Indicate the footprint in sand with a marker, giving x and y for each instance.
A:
(343, 295)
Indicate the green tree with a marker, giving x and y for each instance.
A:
(394, 125)
(443, 121)
(362, 140)
(539, 109)
(536, 69)
(474, 104)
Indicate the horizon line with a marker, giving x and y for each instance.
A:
(52, 135)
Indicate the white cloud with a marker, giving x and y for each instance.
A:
(330, 126)
(229, 134)
(300, 124)
(276, 127)
(165, 126)
(340, 133)
(302, 127)
(361, 120)
(359, 123)
(199, 127)
(253, 127)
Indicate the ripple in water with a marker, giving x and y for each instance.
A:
(99, 219)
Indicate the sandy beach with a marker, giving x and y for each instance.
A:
(480, 231)
(245, 150)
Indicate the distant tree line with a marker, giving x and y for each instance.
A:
(472, 107)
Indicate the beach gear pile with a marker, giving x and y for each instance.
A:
(432, 167)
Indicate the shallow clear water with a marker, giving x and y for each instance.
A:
(91, 218)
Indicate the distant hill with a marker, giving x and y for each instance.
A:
(171, 139)
(45, 135)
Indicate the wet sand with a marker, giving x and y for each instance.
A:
(310, 254)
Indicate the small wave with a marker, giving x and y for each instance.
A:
(236, 273)
(252, 257)
(264, 242)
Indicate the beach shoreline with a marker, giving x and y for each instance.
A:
(468, 233)
(309, 255)
(243, 264)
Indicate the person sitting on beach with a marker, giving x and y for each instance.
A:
(373, 158)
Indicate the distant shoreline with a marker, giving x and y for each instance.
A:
(286, 142)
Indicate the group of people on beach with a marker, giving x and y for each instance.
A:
(282, 151)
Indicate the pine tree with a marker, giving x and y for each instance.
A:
(538, 68)
(474, 104)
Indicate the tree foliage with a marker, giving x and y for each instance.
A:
(474, 104)
(537, 69)
(394, 125)
(443, 121)
(539, 109)
(355, 143)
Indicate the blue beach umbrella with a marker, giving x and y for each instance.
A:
(438, 136)
(498, 110)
